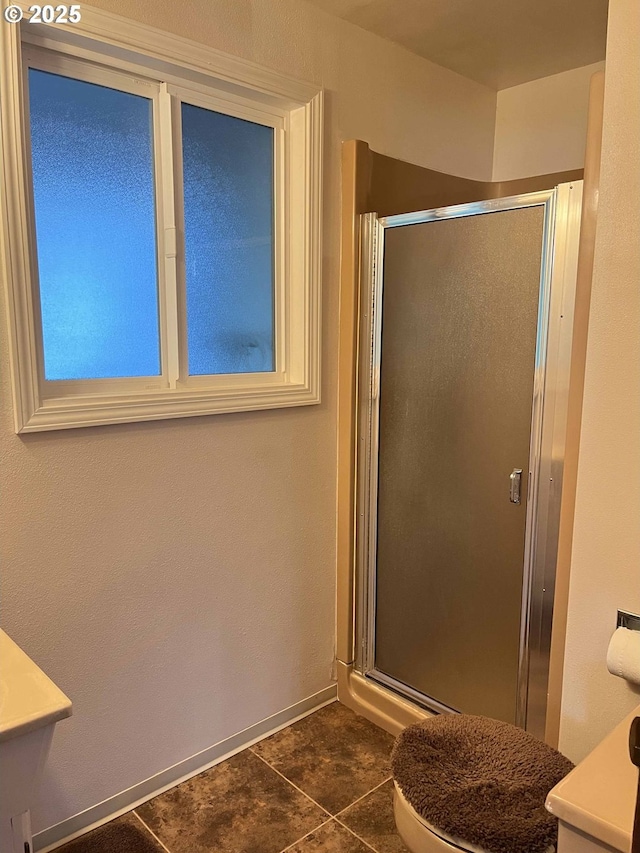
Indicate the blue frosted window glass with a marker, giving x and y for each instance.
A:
(92, 157)
(228, 212)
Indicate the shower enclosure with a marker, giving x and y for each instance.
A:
(465, 340)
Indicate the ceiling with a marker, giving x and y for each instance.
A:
(500, 43)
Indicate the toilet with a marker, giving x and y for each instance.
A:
(463, 782)
(420, 836)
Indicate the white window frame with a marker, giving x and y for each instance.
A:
(108, 49)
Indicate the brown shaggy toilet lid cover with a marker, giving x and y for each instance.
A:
(480, 780)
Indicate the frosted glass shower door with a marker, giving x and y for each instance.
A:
(457, 361)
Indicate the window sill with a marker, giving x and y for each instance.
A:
(93, 410)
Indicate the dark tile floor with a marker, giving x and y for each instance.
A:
(322, 785)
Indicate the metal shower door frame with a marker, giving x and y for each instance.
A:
(561, 228)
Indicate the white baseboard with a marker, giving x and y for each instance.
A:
(123, 802)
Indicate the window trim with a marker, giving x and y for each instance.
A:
(200, 75)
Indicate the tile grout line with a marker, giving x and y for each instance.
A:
(151, 832)
(355, 834)
(331, 817)
(293, 785)
(311, 831)
(370, 791)
(375, 788)
(348, 828)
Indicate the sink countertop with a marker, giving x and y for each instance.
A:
(28, 697)
(598, 796)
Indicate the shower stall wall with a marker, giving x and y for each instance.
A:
(465, 342)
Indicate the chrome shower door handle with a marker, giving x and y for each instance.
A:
(515, 480)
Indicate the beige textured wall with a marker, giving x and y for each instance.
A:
(177, 579)
(605, 572)
(541, 126)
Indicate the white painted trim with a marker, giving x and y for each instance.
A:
(122, 36)
(68, 66)
(103, 812)
(167, 237)
(241, 108)
(294, 108)
(18, 262)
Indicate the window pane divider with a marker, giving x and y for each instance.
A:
(181, 271)
(167, 239)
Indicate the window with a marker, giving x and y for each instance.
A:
(161, 226)
(94, 202)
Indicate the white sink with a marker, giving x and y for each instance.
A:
(30, 706)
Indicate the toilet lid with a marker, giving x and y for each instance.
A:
(481, 780)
